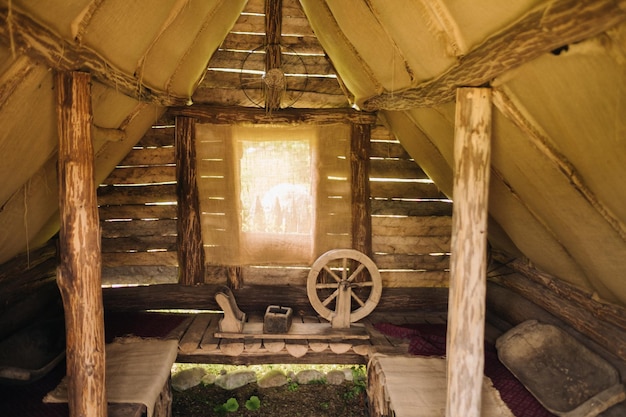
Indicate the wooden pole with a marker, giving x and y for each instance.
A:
(79, 271)
(360, 187)
(190, 248)
(468, 262)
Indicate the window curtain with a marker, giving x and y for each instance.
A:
(273, 195)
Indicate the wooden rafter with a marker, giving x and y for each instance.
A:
(547, 27)
(43, 45)
(543, 144)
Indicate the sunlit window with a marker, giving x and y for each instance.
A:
(275, 178)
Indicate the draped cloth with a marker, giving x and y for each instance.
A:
(136, 371)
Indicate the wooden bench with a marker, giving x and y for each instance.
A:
(415, 386)
(137, 377)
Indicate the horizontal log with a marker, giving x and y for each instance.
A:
(140, 259)
(156, 137)
(606, 334)
(388, 150)
(139, 274)
(411, 244)
(138, 228)
(149, 156)
(401, 169)
(256, 24)
(232, 97)
(138, 212)
(411, 208)
(389, 189)
(611, 313)
(224, 79)
(421, 262)
(36, 260)
(248, 41)
(139, 244)
(415, 279)
(250, 358)
(256, 298)
(161, 193)
(419, 226)
(141, 175)
(228, 115)
(255, 61)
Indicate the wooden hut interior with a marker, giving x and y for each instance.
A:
(318, 179)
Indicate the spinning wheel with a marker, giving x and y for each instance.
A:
(344, 286)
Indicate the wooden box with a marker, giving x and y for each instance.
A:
(277, 319)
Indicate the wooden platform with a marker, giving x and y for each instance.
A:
(198, 343)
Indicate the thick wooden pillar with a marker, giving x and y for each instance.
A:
(468, 281)
(360, 173)
(79, 271)
(190, 249)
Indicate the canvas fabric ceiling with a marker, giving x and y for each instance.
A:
(557, 197)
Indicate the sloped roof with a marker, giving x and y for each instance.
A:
(557, 70)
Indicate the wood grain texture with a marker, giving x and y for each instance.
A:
(468, 262)
(79, 271)
(190, 249)
(45, 46)
(547, 27)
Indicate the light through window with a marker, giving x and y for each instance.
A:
(275, 178)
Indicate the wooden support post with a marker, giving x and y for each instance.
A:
(273, 59)
(190, 248)
(468, 262)
(79, 271)
(361, 206)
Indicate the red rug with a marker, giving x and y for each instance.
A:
(430, 340)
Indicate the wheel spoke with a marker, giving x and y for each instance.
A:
(345, 268)
(330, 298)
(362, 284)
(326, 286)
(332, 274)
(356, 272)
(358, 300)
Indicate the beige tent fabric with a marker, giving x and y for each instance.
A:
(416, 386)
(136, 371)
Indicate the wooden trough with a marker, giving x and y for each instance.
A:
(566, 377)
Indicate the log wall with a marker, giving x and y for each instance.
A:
(137, 204)
(411, 220)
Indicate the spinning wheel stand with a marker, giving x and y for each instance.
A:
(343, 286)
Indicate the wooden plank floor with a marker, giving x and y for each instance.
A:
(197, 343)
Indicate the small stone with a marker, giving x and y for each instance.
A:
(235, 380)
(208, 379)
(308, 376)
(187, 378)
(274, 378)
(335, 377)
(347, 372)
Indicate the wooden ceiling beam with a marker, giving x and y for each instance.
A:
(550, 26)
(230, 115)
(23, 35)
